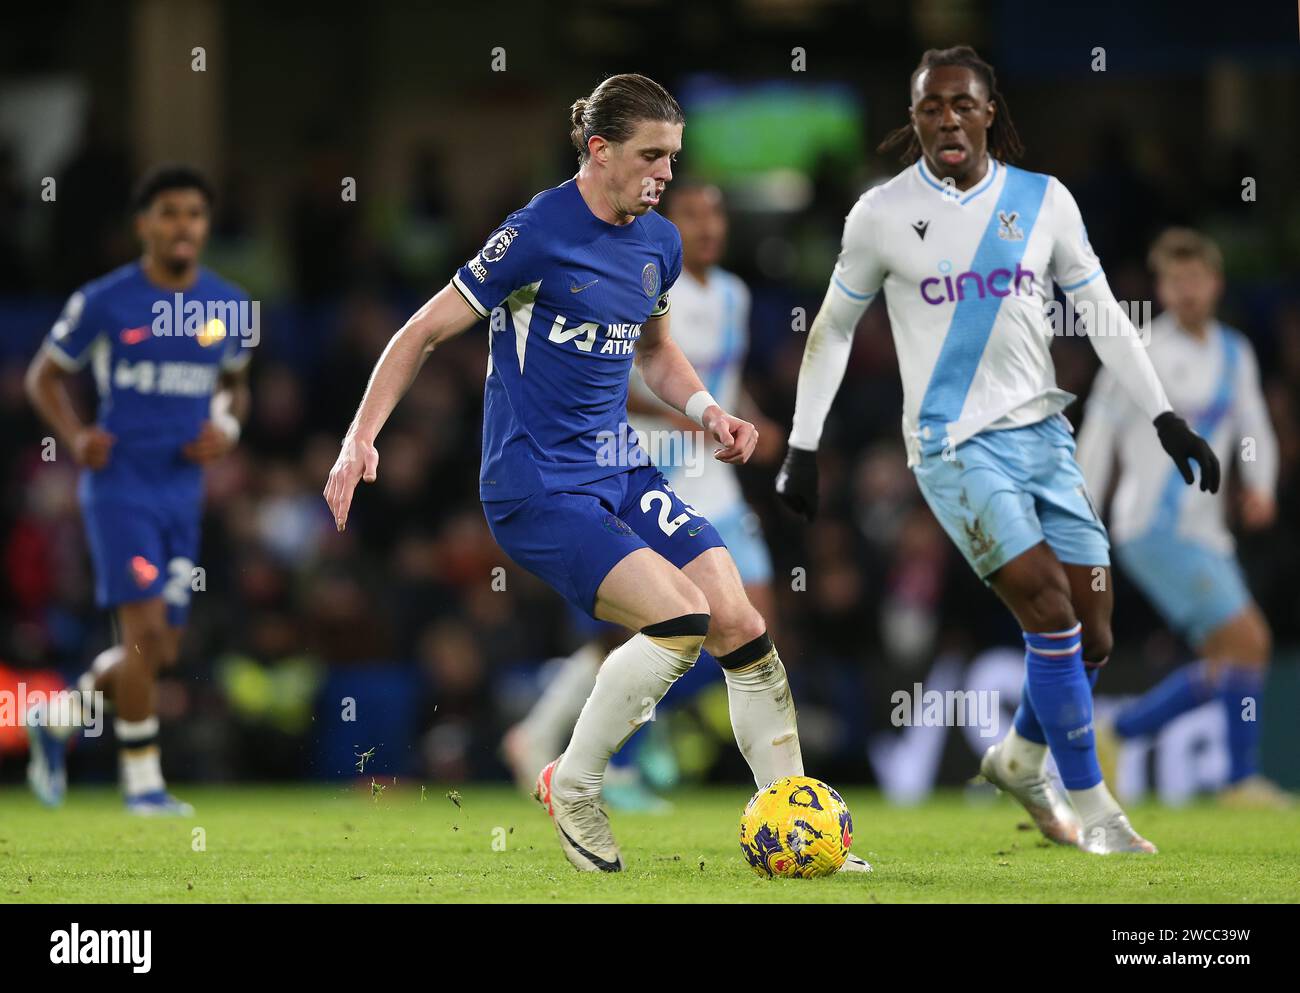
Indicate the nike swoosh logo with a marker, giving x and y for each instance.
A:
(595, 860)
(695, 530)
(133, 336)
(579, 289)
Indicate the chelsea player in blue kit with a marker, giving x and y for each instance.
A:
(165, 338)
(576, 288)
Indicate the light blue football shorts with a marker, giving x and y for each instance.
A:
(1002, 492)
(1194, 587)
(740, 529)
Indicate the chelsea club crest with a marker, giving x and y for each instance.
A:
(650, 279)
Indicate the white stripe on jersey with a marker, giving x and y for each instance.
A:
(710, 324)
(1214, 384)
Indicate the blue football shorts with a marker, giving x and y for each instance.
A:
(571, 538)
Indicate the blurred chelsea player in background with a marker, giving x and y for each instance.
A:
(165, 338)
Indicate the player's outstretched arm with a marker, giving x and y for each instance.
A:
(1105, 416)
(858, 276)
(1078, 272)
(439, 320)
(1120, 348)
(47, 390)
(825, 357)
(670, 376)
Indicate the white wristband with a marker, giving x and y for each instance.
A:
(221, 417)
(698, 404)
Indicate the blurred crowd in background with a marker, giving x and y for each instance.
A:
(292, 611)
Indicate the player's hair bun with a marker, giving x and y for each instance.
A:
(616, 106)
(576, 113)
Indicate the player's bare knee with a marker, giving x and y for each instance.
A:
(1049, 609)
(1097, 643)
(149, 645)
(735, 624)
(692, 598)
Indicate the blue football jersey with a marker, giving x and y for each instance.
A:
(567, 294)
(156, 356)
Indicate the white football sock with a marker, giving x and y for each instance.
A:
(633, 680)
(1021, 757)
(1094, 804)
(763, 714)
(557, 709)
(105, 660)
(140, 761)
(75, 707)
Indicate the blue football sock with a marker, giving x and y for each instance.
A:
(1241, 690)
(1186, 687)
(1026, 721)
(1061, 697)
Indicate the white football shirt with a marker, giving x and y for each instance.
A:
(1212, 382)
(967, 276)
(710, 324)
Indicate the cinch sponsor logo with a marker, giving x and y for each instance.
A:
(999, 283)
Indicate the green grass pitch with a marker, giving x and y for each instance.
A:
(338, 844)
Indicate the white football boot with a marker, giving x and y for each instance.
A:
(1052, 813)
(854, 864)
(582, 826)
(1114, 835)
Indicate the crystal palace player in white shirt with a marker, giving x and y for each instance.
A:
(965, 248)
(1174, 544)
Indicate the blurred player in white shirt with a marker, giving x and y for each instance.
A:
(1174, 543)
(966, 248)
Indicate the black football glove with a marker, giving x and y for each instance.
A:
(796, 483)
(1184, 444)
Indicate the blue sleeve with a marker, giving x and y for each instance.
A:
(510, 259)
(78, 326)
(673, 253)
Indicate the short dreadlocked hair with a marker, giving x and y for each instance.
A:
(1004, 142)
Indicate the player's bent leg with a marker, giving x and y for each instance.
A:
(644, 588)
(1093, 599)
(149, 642)
(48, 730)
(1036, 588)
(1238, 653)
(645, 591)
(630, 684)
(763, 715)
